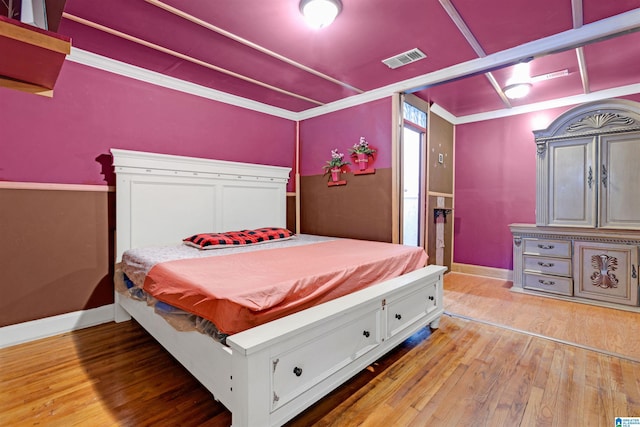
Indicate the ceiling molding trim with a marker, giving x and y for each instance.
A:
(498, 89)
(462, 27)
(351, 101)
(127, 70)
(184, 57)
(570, 39)
(576, 13)
(475, 45)
(618, 24)
(562, 102)
(582, 66)
(195, 20)
(438, 110)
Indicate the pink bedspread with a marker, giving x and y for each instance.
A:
(240, 291)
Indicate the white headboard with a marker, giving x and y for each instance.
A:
(161, 199)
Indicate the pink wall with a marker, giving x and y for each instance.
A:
(342, 129)
(66, 139)
(495, 185)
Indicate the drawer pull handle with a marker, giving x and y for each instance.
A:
(545, 264)
(547, 282)
(634, 275)
(366, 334)
(398, 316)
(431, 297)
(297, 371)
(546, 246)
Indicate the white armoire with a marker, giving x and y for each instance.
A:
(585, 243)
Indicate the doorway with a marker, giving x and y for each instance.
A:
(412, 167)
(411, 179)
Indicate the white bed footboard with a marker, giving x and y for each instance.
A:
(272, 372)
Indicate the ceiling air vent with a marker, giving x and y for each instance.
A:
(404, 58)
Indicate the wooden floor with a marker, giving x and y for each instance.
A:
(489, 300)
(466, 373)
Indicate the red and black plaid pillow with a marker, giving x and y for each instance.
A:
(237, 238)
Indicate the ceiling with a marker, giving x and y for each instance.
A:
(264, 51)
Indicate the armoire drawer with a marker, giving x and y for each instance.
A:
(551, 284)
(543, 247)
(299, 369)
(543, 265)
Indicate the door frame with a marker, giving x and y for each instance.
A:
(396, 166)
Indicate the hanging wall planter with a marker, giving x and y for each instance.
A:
(334, 168)
(335, 174)
(362, 152)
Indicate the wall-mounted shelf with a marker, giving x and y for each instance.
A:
(34, 57)
(369, 171)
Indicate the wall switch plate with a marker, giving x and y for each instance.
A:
(440, 158)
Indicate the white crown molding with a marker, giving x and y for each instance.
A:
(618, 24)
(54, 325)
(127, 70)
(608, 27)
(538, 106)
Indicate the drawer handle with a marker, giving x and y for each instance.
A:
(297, 371)
(546, 246)
(366, 334)
(398, 316)
(545, 264)
(547, 282)
(431, 297)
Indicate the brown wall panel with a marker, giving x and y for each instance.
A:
(56, 252)
(440, 142)
(291, 213)
(360, 210)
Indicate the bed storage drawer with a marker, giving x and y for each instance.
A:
(543, 265)
(551, 284)
(552, 248)
(410, 307)
(300, 368)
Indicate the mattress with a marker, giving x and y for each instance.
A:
(242, 287)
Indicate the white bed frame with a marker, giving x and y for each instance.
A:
(269, 374)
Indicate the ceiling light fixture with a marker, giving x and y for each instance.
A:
(320, 13)
(519, 84)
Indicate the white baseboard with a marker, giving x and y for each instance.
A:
(478, 270)
(55, 325)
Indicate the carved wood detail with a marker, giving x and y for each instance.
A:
(604, 277)
(598, 121)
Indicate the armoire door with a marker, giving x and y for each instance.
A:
(620, 181)
(572, 183)
(606, 272)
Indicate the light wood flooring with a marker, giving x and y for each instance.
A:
(467, 373)
(489, 300)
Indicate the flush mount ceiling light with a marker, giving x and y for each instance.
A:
(519, 84)
(320, 13)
